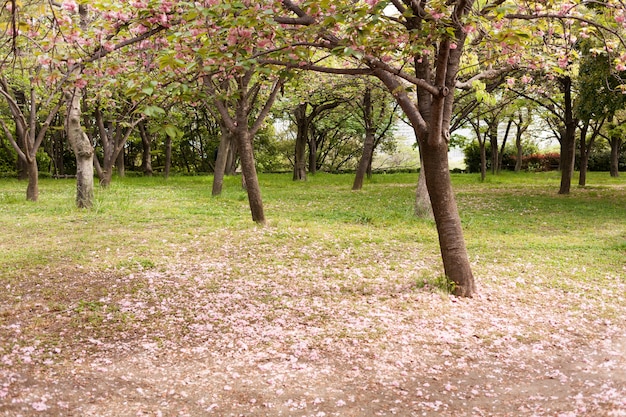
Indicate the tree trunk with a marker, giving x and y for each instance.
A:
(503, 146)
(231, 160)
(119, 164)
(452, 244)
(568, 138)
(81, 145)
(302, 138)
(220, 162)
(368, 143)
(423, 208)
(585, 150)
(32, 191)
(616, 144)
(312, 156)
(248, 170)
(146, 145)
(493, 141)
(366, 158)
(483, 159)
(520, 150)
(168, 156)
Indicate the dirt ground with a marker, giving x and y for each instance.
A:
(185, 342)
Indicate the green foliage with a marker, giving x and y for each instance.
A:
(600, 160)
(8, 159)
(472, 157)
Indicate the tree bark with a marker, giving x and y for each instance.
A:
(422, 208)
(146, 145)
(568, 137)
(83, 150)
(302, 138)
(168, 156)
(616, 144)
(493, 141)
(368, 143)
(312, 156)
(32, 190)
(119, 163)
(220, 162)
(585, 151)
(248, 170)
(434, 147)
(453, 251)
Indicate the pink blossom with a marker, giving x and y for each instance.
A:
(469, 29)
(70, 6)
(453, 46)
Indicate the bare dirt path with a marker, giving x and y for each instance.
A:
(188, 342)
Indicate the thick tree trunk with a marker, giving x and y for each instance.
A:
(220, 163)
(248, 170)
(81, 145)
(568, 137)
(453, 251)
(32, 190)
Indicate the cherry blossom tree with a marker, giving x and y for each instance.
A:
(417, 50)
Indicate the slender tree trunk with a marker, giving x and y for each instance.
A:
(368, 143)
(520, 151)
(312, 156)
(483, 159)
(248, 170)
(302, 138)
(585, 150)
(168, 156)
(493, 141)
(616, 144)
(146, 145)
(231, 160)
(365, 161)
(220, 162)
(503, 146)
(119, 164)
(81, 145)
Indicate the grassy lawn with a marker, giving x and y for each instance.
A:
(509, 219)
(159, 268)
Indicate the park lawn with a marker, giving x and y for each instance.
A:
(159, 268)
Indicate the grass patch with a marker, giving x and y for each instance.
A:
(516, 223)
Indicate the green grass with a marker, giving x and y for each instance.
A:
(514, 221)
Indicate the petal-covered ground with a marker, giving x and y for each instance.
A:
(249, 329)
